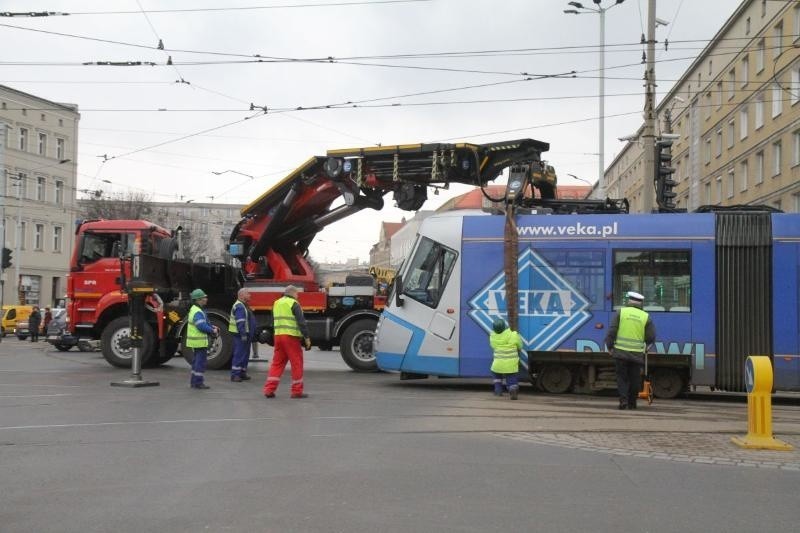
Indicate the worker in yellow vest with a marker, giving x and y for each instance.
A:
(242, 327)
(197, 331)
(506, 344)
(291, 333)
(629, 333)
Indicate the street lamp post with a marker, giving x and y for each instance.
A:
(580, 9)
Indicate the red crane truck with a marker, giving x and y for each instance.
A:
(271, 242)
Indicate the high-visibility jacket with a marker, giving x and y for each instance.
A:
(195, 338)
(505, 347)
(631, 332)
(283, 319)
(232, 321)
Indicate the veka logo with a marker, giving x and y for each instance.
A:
(550, 308)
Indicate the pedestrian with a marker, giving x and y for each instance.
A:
(197, 331)
(242, 325)
(48, 316)
(506, 344)
(34, 323)
(291, 334)
(629, 333)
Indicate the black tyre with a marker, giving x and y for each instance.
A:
(667, 383)
(555, 379)
(220, 351)
(356, 346)
(63, 347)
(22, 337)
(115, 343)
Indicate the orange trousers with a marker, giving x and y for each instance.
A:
(287, 349)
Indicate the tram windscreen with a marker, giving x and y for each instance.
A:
(428, 272)
(662, 276)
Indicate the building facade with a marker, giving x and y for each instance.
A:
(736, 115)
(39, 167)
(207, 226)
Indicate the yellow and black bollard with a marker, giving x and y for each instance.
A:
(758, 380)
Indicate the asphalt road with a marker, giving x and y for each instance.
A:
(365, 452)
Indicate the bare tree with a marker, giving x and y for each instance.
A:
(128, 206)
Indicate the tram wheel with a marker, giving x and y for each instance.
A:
(667, 383)
(555, 379)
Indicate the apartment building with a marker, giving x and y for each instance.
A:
(39, 167)
(736, 111)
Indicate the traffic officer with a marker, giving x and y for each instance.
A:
(242, 325)
(629, 333)
(506, 345)
(197, 331)
(291, 333)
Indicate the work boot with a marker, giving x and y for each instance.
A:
(622, 405)
(269, 395)
(298, 396)
(201, 386)
(236, 379)
(514, 392)
(245, 377)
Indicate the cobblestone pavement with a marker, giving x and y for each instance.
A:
(701, 448)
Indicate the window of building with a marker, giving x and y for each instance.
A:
(794, 88)
(776, 158)
(759, 167)
(710, 67)
(777, 204)
(719, 143)
(777, 40)
(663, 277)
(719, 189)
(22, 185)
(796, 25)
(718, 95)
(59, 192)
(745, 70)
(731, 83)
(61, 122)
(42, 117)
(24, 112)
(759, 110)
(743, 123)
(760, 56)
(707, 193)
(763, 8)
(731, 182)
(777, 100)
(23, 230)
(731, 133)
(23, 139)
(796, 199)
(38, 235)
(57, 233)
(743, 176)
(707, 152)
(796, 148)
(747, 26)
(40, 188)
(60, 149)
(707, 106)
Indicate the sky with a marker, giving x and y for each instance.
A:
(165, 129)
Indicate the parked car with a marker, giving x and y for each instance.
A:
(13, 314)
(57, 333)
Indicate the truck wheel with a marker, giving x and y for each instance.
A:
(220, 352)
(22, 337)
(115, 343)
(356, 346)
(62, 347)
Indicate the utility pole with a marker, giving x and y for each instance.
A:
(17, 247)
(648, 136)
(3, 190)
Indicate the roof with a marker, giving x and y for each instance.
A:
(390, 228)
(72, 108)
(573, 192)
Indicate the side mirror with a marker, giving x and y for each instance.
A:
(398, 290)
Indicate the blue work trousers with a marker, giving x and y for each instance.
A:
(241, 356)
(512, 380)
(199, 366)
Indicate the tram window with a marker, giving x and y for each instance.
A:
(662, 276)
(428, 272)
(584, 269)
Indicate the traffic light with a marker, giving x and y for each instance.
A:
(665, 195)
(6, 258)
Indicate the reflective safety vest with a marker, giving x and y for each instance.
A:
(630, 335)
(283, 319)
(506, 347)
(194, 337)
(232, 320)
